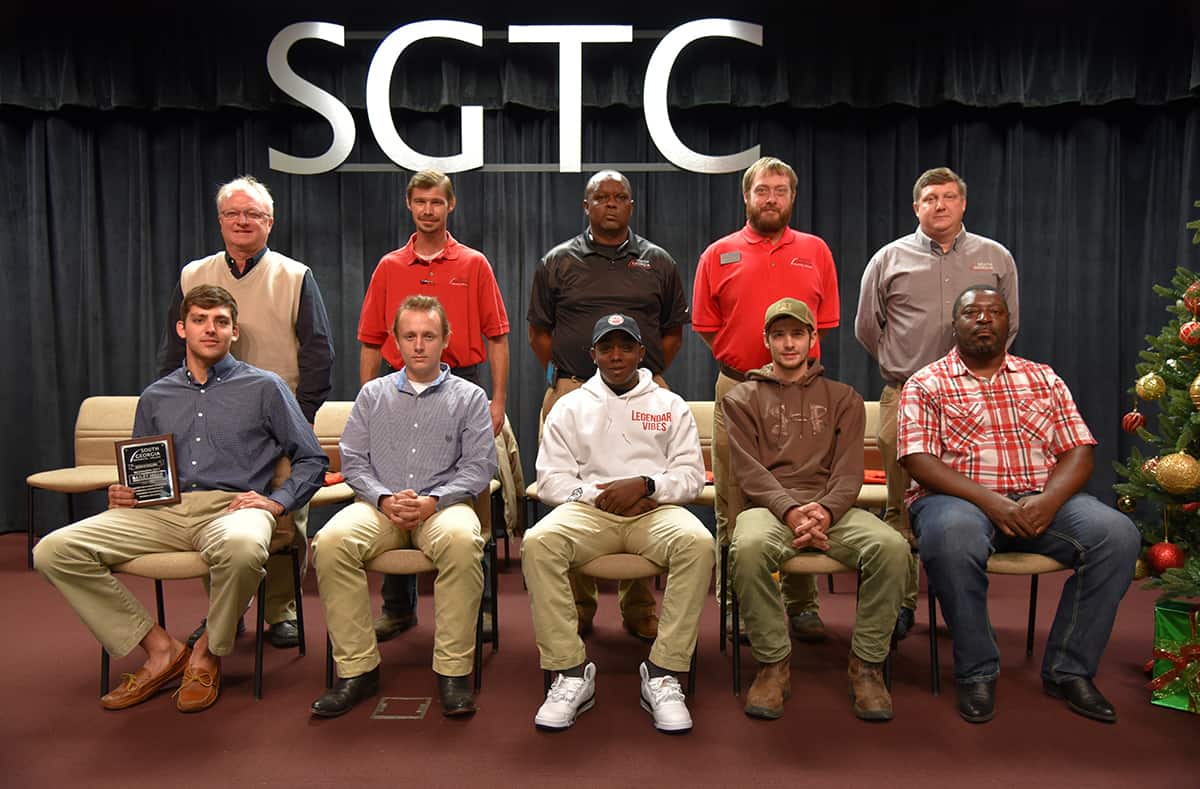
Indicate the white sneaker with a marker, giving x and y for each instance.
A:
(567, 698)
(663, 698)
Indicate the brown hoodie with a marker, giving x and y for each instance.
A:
(795, 443)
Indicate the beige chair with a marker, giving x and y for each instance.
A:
(803, 564)
(101, 422)
(1014, 563)
(177, 565)
(190, 564)
(628, 567)
(411, 561)
(872, 497)
(328, 425)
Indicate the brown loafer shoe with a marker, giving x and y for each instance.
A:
(136, 688)
(645, 628)
(199, 690)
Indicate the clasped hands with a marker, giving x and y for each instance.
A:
(625, 497)
(406, 509)
(1026, 517)
(810, 525)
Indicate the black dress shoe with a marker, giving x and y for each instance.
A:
(345, 693)
(904, 622)
(195, 636)
(1082, 697)
(457, 698)
(977, 700)
(285, 634)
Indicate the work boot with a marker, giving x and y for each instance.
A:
(772, 686)
(872, 701)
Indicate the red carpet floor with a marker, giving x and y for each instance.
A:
(53, 732)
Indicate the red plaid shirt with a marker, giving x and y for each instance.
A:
(1005, 433)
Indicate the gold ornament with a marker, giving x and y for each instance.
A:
(1140, 570)
(1126, 503)
(1151, 386)
(1194, 391)
(1178, 473)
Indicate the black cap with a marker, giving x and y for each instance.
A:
(616, 322)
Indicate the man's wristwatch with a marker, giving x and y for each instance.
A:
(649, 486)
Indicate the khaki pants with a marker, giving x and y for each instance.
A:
(77, 558)
(799, 592)
(635, 598)
(896, 514)
(573, 534)
(761, 544)
(452, 541)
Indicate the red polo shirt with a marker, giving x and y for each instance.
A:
(462, 280)
(742, 274)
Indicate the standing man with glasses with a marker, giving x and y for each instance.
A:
(738, 277)
(433, 263)
(605, 269)
(283, 328)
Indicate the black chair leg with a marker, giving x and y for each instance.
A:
(737, 646)
(935, 680)
(495, 601)
(259, 616)
(328, 663)
(479, 644)
(297, 588)
(829, 582)
(103, 671)
(1033, 589)
(721, 597)
(691, 688)
(158, 602)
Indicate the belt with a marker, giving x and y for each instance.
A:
(466, 372)
(730, 372)
(559, 376)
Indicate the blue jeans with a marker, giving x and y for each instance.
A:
(1101, 545)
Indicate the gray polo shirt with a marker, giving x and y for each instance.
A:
(908, 291)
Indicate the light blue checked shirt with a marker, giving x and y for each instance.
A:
(438, 443)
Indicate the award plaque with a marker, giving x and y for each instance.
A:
(147, 464)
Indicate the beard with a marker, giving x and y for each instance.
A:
(771, 224)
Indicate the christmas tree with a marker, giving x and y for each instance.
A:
(1161, 487)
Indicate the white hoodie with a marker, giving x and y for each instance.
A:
(594, 436)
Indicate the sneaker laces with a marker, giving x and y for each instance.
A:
(665, 689)
(565, 688)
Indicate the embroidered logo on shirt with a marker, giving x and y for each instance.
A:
(982, 265)
(639, 263)
(658, 423)
(460, 282)
(730, 257)
(800, 262)
(575, 494)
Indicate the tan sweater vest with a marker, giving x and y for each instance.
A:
(268, 300)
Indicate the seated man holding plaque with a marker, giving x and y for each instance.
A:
(229, 423)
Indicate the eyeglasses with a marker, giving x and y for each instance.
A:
(251, 215)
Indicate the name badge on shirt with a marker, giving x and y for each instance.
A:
(730, 257)
(982, 265)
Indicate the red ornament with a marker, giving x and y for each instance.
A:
(1191, 506)
(1191, 297)
(1163, 556)
(1189, 333)
(1132, 421)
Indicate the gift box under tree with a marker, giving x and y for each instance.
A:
(1176, 672)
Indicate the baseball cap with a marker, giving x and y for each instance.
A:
(616, 322)
(789, 308)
